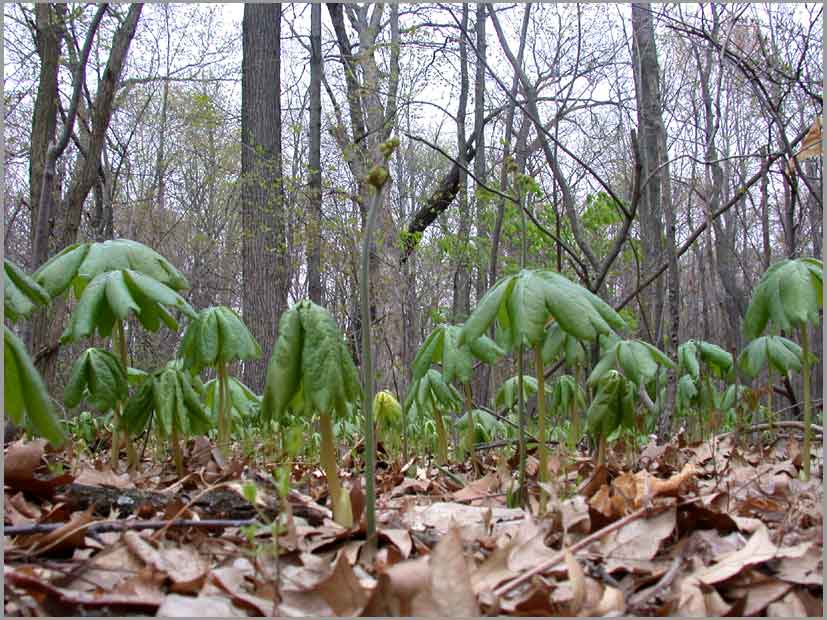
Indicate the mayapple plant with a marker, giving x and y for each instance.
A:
(695, 385)
(242, 403)
(173, 397)
(431, 394)
(99, 377)
(389, 419)
(457, 361)
(218, 337)
(25, 397)
(312, 367)
(568, 398)
(111, 280)
(789, 295)
(522, 305)
(612, 408)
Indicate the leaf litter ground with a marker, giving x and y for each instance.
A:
(714, 528)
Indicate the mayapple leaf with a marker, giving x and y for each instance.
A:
(486, 311)
(21, 294)
(789, 294)
(637, 360)
(113, 295)
(284, 369)
(386, 410)
(173, 394)
(24, 393)
(688, 359)
(777, 352)
(217, 335)
(98, 375)
(57, 273)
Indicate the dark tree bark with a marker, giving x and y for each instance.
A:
(462, 272)
(479, 126)
(656, 195)
(49, 22)
(647, 90)
(264, 251)
(314, 216)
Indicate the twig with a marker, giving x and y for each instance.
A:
(560, 556)
(765, 426)
(120, 526)
(452, 476)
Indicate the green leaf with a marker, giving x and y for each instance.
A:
(284, 369)
(386, 410)
(688, 358)
(98, 375)
(487, 309)
(21, 294)
(56, 274)
(24, 392)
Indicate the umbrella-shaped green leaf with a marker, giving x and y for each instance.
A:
(557, 341)
(566, 394)
(81, 263)
(636, 359)
(789, 294)
(113, 295)
(442, 347)
(508, 394)
(21, 294)
(243, 401)
(216, 336)
(24, 394)
(776, 352)
(99, 376)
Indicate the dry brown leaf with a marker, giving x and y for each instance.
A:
(178, 606)
(699, 600)
(811, 146)
(577, 581)
(477, 488)
(575, 515)
(107, 569)
(401, 539)
(338, 594)
(612, 603)
(790, 606)
(450, 579)
(94, 478)
(21, 459)
(411, 486)
(632, 546)
(230, 580)
(69, 536)
(759, 548)
(759, 592)
(397, 587)
(183, 565)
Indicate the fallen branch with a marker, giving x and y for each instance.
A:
(121, 526)
(765, 427)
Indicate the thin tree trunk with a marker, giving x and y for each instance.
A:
(314, 217)
(462, 272)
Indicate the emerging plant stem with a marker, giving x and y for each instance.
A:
(541, 418)
(523, 492)
(470, 434)
(341, 513)
(808, 410)
(223, 417)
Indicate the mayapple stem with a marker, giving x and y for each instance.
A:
(441, 439)
(808, 412)
(341, 510)
(223, 421)
(470, 430)
(541, 418)
(523, 491)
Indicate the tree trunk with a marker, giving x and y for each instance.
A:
(49, 21)
(264, 264)
(479, 126)
(656, 197)
(314, 216)
(462, 272)
(647, 91)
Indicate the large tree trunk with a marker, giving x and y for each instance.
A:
(49, 21)
(314, 215)
(479, 133)
(264, 264)
(656, 197)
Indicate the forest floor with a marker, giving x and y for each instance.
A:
(716, 528)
